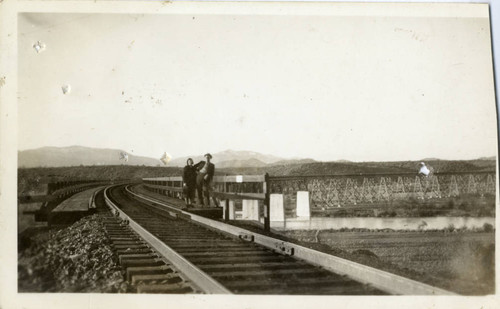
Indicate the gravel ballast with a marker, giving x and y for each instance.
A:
(77, 258)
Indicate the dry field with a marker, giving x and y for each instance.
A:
(458, 260)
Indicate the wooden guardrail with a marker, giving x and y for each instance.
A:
(51, 200)
(58, 193)
(225, 188)
(330, 192)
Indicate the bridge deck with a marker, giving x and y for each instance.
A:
(73, 208)
(209, 212)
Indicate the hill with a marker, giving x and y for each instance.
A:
(78, 155)
(87, 156)
(350, 168)
(238, 157)
(241, 163)
(488, 158)
(292, 162)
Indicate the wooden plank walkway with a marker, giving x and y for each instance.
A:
(77, 202)
(73, 208)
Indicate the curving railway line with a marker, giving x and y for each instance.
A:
(167, 250)
(234, 264)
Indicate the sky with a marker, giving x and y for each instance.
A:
(361, 88)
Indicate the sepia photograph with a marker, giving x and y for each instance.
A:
(203, 149)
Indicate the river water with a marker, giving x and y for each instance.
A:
(426, 223)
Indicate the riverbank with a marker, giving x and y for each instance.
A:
(399, 224)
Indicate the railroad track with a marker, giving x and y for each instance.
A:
(227, 263)
(146, 270)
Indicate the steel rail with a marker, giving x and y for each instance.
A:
(203, 281)
(379, 279)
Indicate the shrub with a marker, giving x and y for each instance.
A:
(382, 214)
(484, 213)
(426, 213)
(488, 227)
(365, 252)
(341, 213)
(463, 206)
(450, 228)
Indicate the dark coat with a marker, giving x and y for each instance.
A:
(210, 169)
(189, 175)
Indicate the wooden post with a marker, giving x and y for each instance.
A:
(226, 210)
(267, 204)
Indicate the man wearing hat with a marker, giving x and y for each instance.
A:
(204, 179)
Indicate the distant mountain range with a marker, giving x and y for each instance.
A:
(488, 158)
(79, 155)
(430, 159)
(239, 158)
(240, 163)
(76, 156)
(86, 156)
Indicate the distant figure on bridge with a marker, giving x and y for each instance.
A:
(204, 180)
(189, 182)
(423, 170)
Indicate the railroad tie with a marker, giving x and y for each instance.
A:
(144, 269)
(237, 264)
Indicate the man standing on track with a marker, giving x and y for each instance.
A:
(204, 179)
